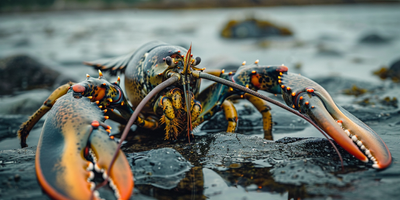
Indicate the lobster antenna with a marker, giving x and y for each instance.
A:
(244, 89)
(186, 89)
(135, 114)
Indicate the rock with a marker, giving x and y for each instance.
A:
(337, 84)
(25, 103)
(9, 125)
(163, 168)
(253, 28)
(19, 166)
(21, 72)
(373, 38)
(393, 72)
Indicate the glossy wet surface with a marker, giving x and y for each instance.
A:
(299, 163)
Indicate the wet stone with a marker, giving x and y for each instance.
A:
(393, 72)
(374, 38)
(18, 165)
(225, 149)
(163, 168)
(21, 72)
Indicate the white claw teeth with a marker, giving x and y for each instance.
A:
(368, 153)
(361, 145)
(112, 185)
(93, 155)
(90, 166)
(91, 176)
(97, 168)
(96, 194)
(92, 186)
(117, 195)
(105, 176)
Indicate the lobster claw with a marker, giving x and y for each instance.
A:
(73, 148)
(349, 132)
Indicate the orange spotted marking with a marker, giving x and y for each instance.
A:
(95, 124)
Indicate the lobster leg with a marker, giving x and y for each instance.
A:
(230, 115)
(172, 124)
(264, 109)
(196, 110)
(173, 112)
(149, 122)
(27, 126)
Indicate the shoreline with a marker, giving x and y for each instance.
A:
(102, 5)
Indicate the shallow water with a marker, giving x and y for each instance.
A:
(326, 43)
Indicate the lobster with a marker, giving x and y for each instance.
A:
(162, 84)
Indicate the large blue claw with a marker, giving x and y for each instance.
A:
(349, 132)
(73, 147)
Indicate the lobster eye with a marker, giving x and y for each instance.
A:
(198, 60)
(168, 60)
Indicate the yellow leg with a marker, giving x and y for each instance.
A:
(196, 110)
(149, 122)
(178, 104)
(116, 117)
(27, 126)
(172, 124)
(264, 109)
(177, 100)
(230, 115)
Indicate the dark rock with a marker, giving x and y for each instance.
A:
(163, 168)
(393, 72)
(224, 149)
(21, 72)
(338, 85)
(9, 125)
(253, 28)
(19, 166)
(395, 68)
(374, 38)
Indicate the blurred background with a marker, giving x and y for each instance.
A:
(347, 38)
(351, 47)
